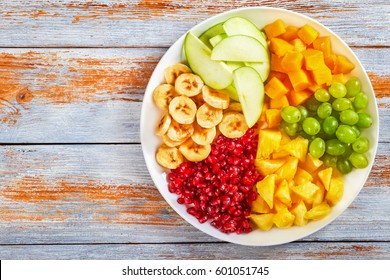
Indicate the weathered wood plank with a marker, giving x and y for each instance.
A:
(79, 95)
(111, 23)
(104, 194)
(223, 251)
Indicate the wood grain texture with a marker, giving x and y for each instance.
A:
(104, 194)
(102, 23)
(219, 251)
(84, 96)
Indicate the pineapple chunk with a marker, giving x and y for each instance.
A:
(299, 211)
(269, 141)
(283, 193)
(302, 176)
(285, 138)
(260, 206)
(269, 166)
(311, 163)
(263, 221)
(283, 218)
(266, 188)
(306, 191)
(318, 212)
(325, 177)
(336, 190)
(288, 170)
(297, 148)
(319, 195)
(278, 205)
(279, 154)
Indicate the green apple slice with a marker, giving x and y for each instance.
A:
(211, 32)
(232, 92)
(240, 48)
(263, 68)
(213, 73)
(216, 39)
(242, 26)
(250, 89)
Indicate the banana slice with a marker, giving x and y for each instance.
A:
(208, 116)
(182, 109)
(234, 107)
(163, 124)
(163, 94)
(193, 151)
(203, 136)
(170, 143)
(169, 157)
(217, 98)
(233, 125)
(188, 84)
(179, 132)
(172, 72)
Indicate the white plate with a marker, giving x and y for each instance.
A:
(150, 114)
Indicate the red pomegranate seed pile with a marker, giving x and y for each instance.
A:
(221, 187)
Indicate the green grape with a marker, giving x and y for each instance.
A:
(311, 126)
(317, 147)
(312, 104)
(346, 134)
(344, 166)
(305, 135)
(304, 112)
(358, 160)
(360, 101)
(341, 104)
(329, 161)
(337, 90)
(291, 114)
(365, 120)
(322, 95)
(353, 87)
(324, 110)
(334, 147)
(361, 145)
(348, 151)
(289, 128)
(349, 117)
(356, 129)
(330, 125)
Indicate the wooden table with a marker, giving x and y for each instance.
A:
(73, 182)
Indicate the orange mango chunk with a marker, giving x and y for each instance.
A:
(290, 33)
(275, 29)
(275, 88)
(276, 63)
(343, 65)
(273, 117)
(323, 44)
(292, 61)
(296, 98)
(299, 45)
(299, 80)
(330, 61)
(279, 102)
(314, 59)
(322, 75)
(307, 34)
(280, 47)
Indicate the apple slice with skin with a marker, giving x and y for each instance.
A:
(213, 73)
(211, 32)
(263, 68)
(242, 26)
(216, 39)
(250, 89)
(239, 48)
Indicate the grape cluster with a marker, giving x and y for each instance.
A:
(332, 121)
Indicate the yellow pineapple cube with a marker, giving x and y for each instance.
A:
(297, 148)
(318, 212)
(302, 176)
(283, 193)
(325, 176)
(260, 206)
(283, 218)
(278, 205)
(266, 188)
(319, 195)
(306, 191)
(336, 190)
(311, 163)
(279, 154)
(285, 138)
(299, 211)
(288, 170)
(268, 166)
(263, 221)
(269, 141)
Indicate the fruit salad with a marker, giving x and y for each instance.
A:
(259, 125)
